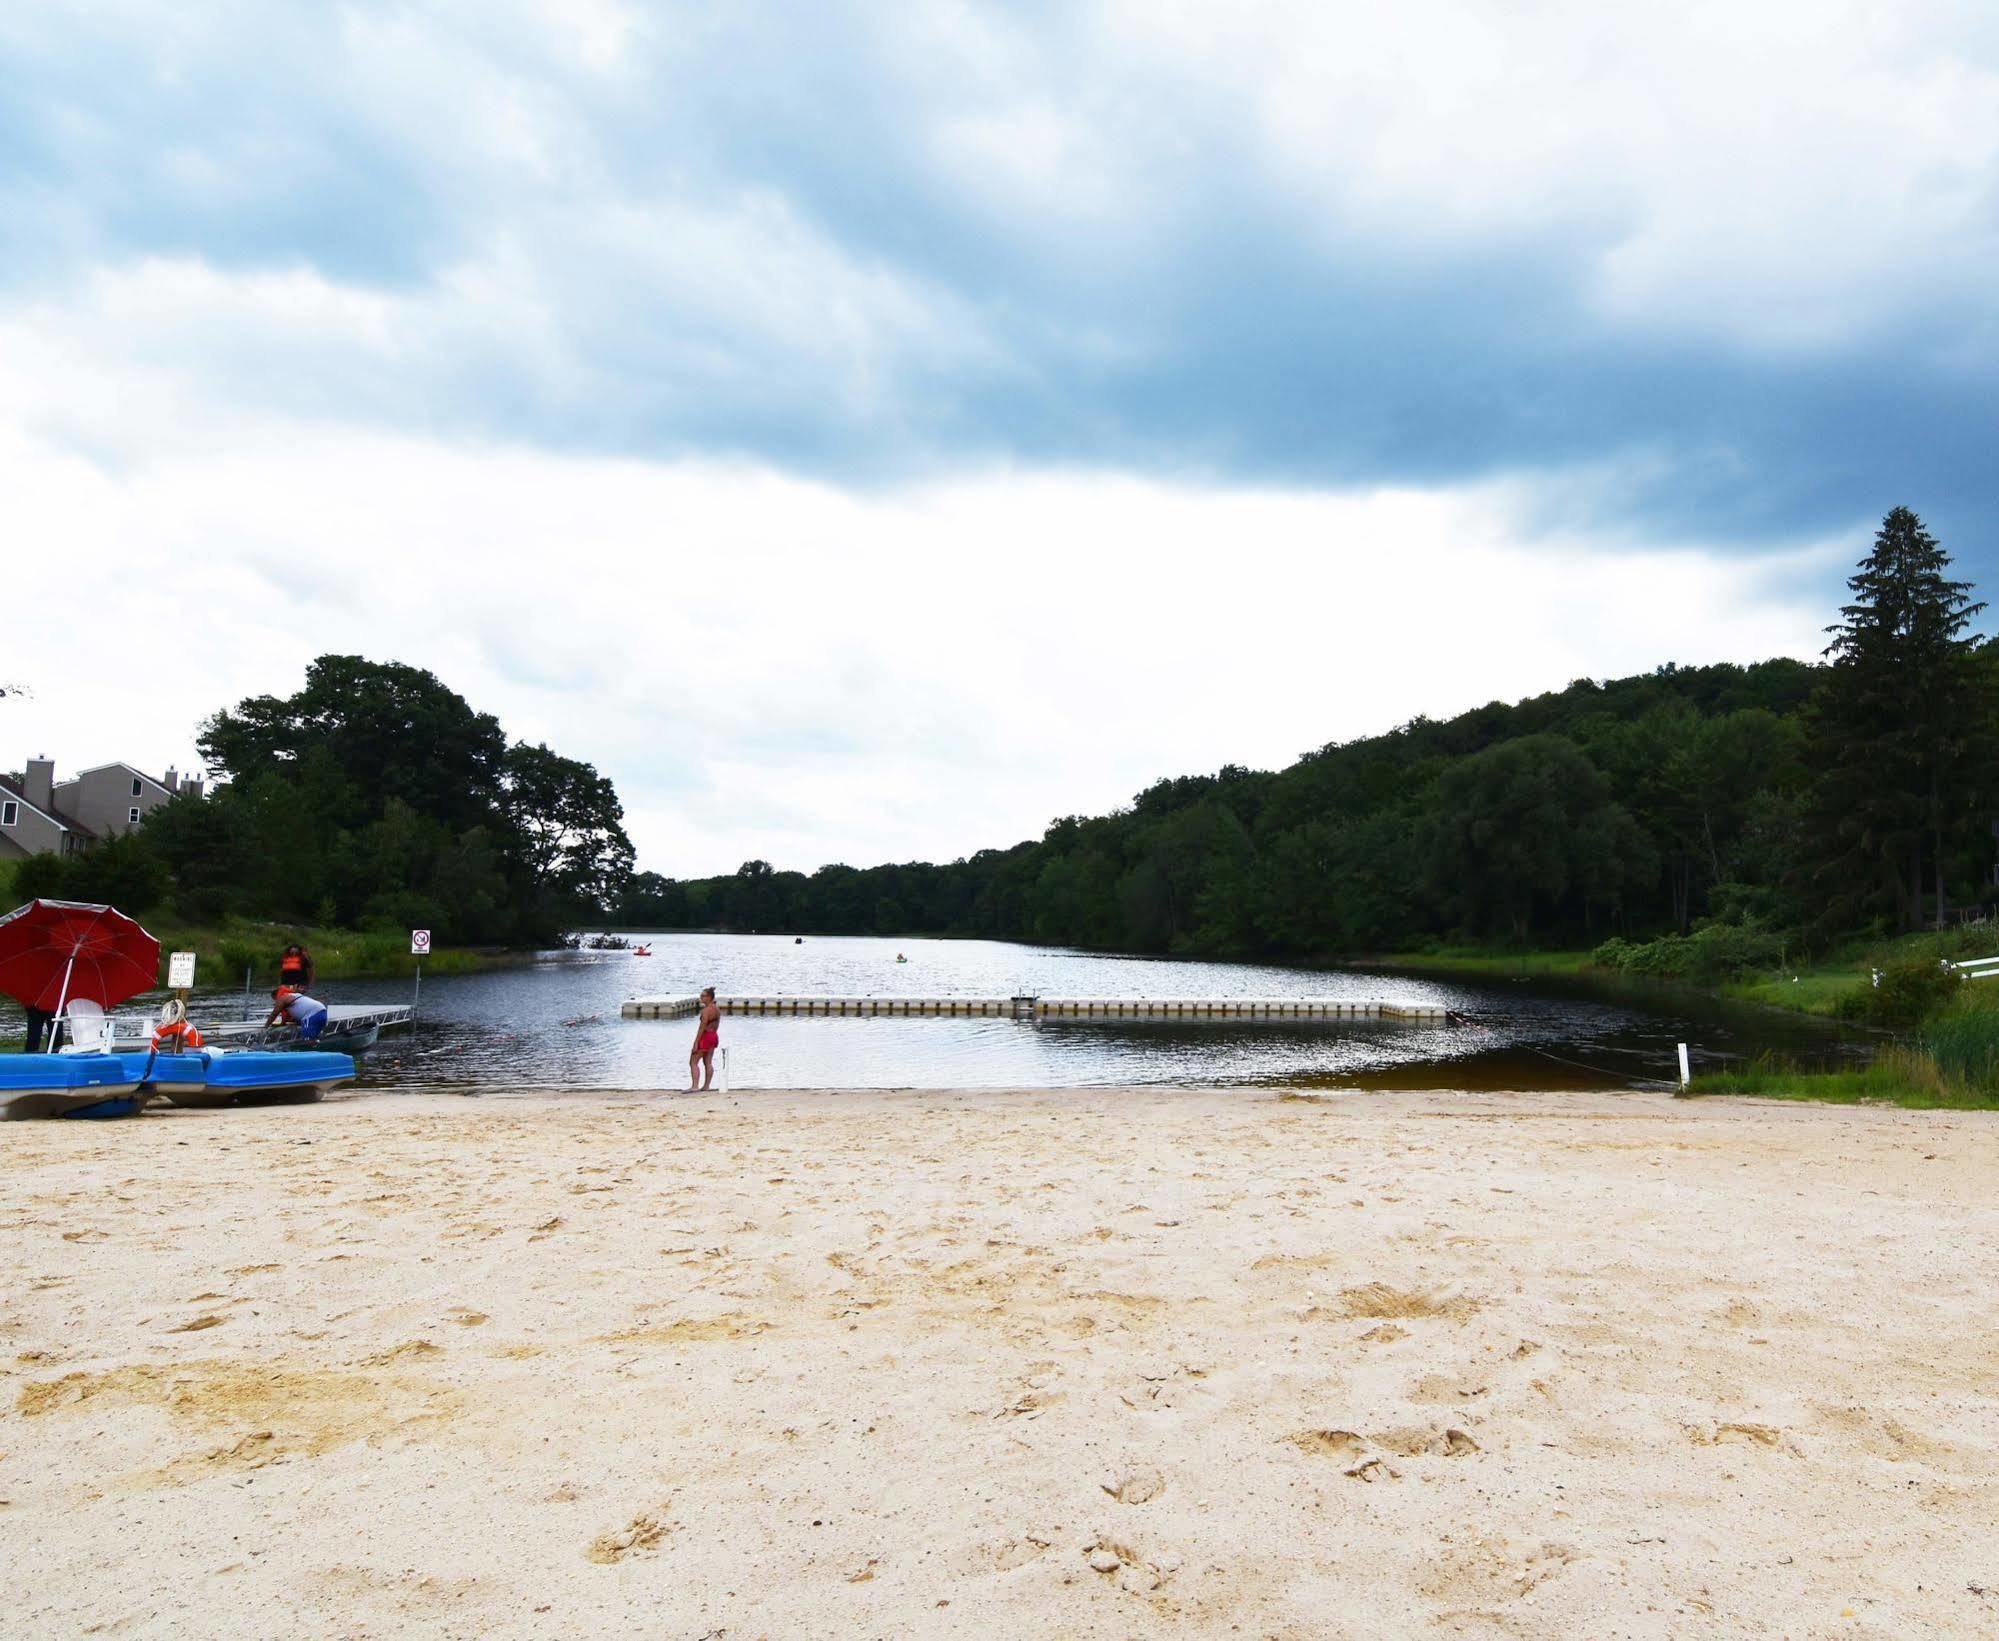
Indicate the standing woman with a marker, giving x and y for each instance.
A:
(707, 1038)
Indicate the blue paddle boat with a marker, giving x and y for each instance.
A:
(118, 1085)
(69, 1085)
(216, 1077)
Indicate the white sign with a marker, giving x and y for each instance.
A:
(180, 971)
(419, 942)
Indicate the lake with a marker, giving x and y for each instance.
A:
(553, 1022)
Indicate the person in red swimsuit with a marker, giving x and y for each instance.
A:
(707, 1038)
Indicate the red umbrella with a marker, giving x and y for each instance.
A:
(54, 950)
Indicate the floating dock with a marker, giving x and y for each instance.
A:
(1051, 1008)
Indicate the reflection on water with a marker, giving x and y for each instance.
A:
(553, 1023)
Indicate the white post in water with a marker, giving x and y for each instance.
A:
(419, 945)
(1686, 1073)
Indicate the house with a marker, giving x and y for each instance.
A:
(38, 816)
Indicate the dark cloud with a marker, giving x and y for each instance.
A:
(747, 232)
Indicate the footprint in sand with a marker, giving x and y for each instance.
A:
(1492, 1570)
(1365, 1458)
(1139, 1487)
(1328, 1444)
(1426, 1441)
(1132, 1570)
(642, 1532)
(1748, 1435)
(1002, 1555)
(1378, 1301)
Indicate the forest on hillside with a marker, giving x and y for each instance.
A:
(1701, 817)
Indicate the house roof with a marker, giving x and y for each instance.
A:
(128, 768)
(13, 790)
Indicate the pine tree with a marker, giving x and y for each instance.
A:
(1898, 726)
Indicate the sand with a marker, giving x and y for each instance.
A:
(1123, 1363)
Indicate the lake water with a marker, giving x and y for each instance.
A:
(553, 1023)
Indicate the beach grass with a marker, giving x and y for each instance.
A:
(1949, 1063)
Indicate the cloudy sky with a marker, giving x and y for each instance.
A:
(867, 431)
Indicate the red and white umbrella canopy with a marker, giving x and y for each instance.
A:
(52, 951)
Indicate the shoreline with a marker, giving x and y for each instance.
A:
(1093, 1363)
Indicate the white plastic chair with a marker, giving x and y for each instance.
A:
(89, 1028)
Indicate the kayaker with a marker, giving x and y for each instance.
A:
(307, 1013)
(295, 968)
(707, 1038)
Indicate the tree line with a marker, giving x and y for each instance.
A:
(1728, 808)
(374, 797)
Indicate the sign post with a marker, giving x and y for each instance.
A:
(180, 981)
(419, 949)
(180, 977)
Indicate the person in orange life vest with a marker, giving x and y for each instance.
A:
(295, 968)
(307, 1013)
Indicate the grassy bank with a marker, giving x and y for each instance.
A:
(1898, 1077)
(224, 951)
(1950, 1062)
(1831, 983)
(1947, 1060)
(1482, 960)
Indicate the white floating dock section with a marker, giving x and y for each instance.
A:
(1052, 1008)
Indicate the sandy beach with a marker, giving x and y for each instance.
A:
(1123, 1363)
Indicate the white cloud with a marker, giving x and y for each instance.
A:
(773, 667)
(1780, 174)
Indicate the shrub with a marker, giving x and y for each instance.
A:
(1909, 992)
(1714, 951)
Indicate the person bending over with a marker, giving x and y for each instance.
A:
(307, 1013)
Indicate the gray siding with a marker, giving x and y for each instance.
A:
(103, 799)
(31, 834)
